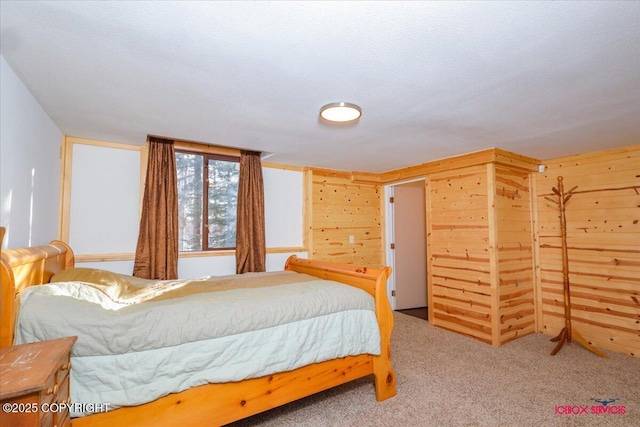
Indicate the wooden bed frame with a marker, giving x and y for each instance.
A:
(217, 404)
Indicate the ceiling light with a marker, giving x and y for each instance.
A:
(340, 112)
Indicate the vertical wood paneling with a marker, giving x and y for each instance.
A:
(341, 208)
(603, 237)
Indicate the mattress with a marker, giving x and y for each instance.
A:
(130, 354)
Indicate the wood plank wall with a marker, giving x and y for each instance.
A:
(603, 236)
(458, 252)
(480, 252)
(515, 275)
(494, 257)
(341, 208)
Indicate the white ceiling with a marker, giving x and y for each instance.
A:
(434, 79)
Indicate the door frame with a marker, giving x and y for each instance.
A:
(389, 237)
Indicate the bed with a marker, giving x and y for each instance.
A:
(218, 403)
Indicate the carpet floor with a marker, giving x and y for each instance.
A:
(445, 379)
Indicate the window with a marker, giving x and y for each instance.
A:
(207, 188)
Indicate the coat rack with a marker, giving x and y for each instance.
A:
(567, 333)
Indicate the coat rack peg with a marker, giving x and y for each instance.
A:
(551, 200)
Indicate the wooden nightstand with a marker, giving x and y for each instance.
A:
(32, 377)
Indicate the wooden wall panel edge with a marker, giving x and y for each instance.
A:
(107, 144)
(329, 172)
(493, 254)
(443, 165)
(64, 203)
(492, 155)
(125, 256)
(592, 154)
(515, 161)
(200, 147)
(383, 228)
(223, 150)
(60, 187)
(358, 177)
(429, 249)
(307, 208)
(144, 162)
(535, 244)
(104, 257)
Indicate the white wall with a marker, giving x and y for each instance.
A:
(105, 200)
(105, 209)
(29, 165)
(283, 207)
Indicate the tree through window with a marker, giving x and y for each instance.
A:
(207, 188)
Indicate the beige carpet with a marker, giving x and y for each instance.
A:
(445, 379)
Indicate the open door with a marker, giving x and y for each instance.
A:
(409, 245)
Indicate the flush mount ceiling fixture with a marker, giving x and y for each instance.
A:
(340, 112)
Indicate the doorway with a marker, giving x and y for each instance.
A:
(406, 252)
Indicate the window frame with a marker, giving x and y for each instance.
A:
(206, 156)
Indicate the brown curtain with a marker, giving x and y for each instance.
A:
(157, 250)
(250, 241)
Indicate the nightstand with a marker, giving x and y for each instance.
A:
(34, 377)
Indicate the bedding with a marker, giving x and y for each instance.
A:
(139, 340)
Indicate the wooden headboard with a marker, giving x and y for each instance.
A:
(24, 267)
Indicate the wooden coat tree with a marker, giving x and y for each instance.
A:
(567, 333)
